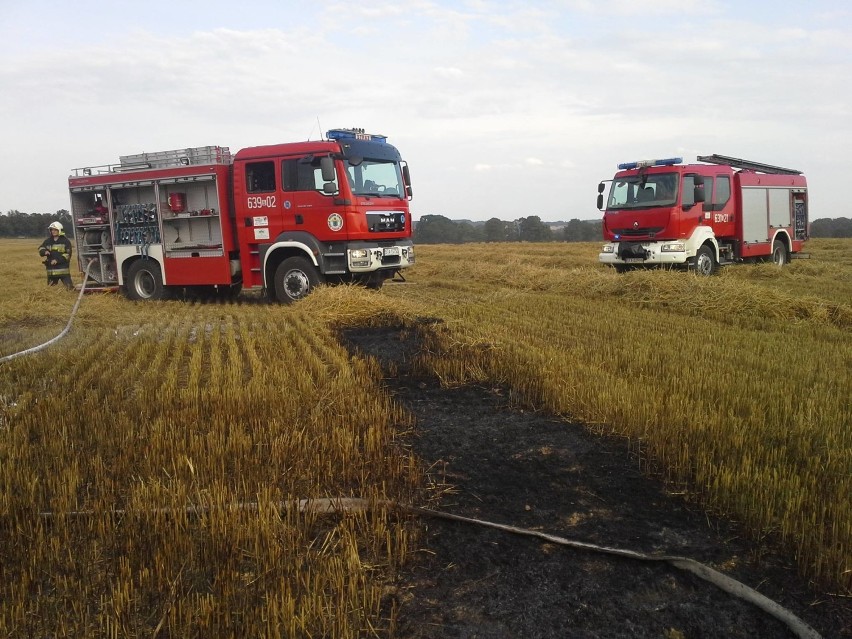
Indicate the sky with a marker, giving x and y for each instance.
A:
(501, 109)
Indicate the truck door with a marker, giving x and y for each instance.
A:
(257, 211)
(718, 206)
(308, 199)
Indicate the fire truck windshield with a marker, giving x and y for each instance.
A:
(643, 191)
(375, 178)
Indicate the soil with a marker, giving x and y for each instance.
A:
(501, 463)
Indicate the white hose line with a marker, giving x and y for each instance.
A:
(41, 347)
(723, 582)
(331, 505)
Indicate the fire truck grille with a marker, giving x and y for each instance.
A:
(385, 222)
(650, 231)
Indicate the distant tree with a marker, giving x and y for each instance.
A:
(839, 227)
(436, 229)
(495, 230)
(14, 223)
(513, 231)
(532, 229)
(582, 231)
(468, 232)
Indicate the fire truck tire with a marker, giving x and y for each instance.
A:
(294, 278)
(144, 281)
(705, 261)
(779, 253)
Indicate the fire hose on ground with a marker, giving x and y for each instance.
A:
(336, 505)
(50, 342)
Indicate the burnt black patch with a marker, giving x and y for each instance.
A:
(493, 460)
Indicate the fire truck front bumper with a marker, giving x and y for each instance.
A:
(644, 253)
(375, 258)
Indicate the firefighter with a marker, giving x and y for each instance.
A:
(56, 251)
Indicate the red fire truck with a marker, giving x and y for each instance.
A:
(282, 218)
(701, 216)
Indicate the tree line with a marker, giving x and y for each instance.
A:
(437, 229)
(837, 227)
(17, 224)
(432, 229)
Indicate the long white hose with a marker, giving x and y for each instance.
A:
(331, 505)
(40, 347)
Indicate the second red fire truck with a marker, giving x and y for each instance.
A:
(282, 218)
(701, 216)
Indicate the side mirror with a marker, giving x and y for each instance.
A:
(406, 177)
(330, 188)
(693, 190)
(600, 201)
(601, 187)
(327, 168)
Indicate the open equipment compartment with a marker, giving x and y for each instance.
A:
(163, 206)
(192, 226)
(93, 234)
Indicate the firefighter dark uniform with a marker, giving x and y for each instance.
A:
(56, 251)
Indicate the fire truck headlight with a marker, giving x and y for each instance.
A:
(675, 247)
(608, 248)
(359, 257)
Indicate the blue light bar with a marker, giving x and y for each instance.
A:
(354, 134)
(646, 163)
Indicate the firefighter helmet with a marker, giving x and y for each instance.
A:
(56, 225)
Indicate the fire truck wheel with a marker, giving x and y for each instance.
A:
(294, 278)
(779, 253)
(705, 261)
(144, 281)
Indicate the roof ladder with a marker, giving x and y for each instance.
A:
(748, 165)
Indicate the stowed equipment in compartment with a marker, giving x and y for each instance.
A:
(191, 223)
(137, 224)
(93, 235)
(159, 207)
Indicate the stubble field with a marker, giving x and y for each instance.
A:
(152, 461)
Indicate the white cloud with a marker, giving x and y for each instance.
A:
(449, 72)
